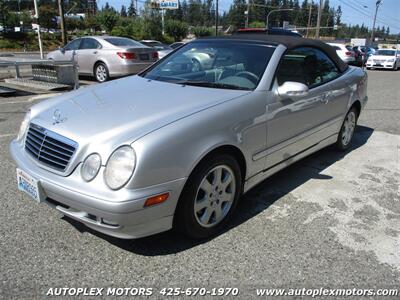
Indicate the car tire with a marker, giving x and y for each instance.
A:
(347, 130)
(201, 211)
(101, 72)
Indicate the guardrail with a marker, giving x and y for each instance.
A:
(7, 62)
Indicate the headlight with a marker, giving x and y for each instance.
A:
(120, 167)
(390, 60)
(90, 167)
(24, 126)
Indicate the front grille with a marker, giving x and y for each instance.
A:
(49, 147)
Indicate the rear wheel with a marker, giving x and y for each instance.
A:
(209, 197)
(347, 131)
(101, 72)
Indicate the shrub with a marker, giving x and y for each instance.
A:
(176, 29)
(200, 31)
(257, 24)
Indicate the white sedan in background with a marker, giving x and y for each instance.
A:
(384, 59)
(161, 48)
(346, 54)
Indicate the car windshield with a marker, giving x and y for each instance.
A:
(122, 42)
(214, 64)
(386, 52)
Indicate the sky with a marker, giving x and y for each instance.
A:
(354, 12)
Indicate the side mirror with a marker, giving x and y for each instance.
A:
(62, 50)
(291, 88)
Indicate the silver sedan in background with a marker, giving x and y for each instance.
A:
(107, 56)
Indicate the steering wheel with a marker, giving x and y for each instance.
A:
(248, 75)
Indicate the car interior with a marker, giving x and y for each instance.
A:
(227, 66)
(308, 66)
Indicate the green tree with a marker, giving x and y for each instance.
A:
(47, 15)
(176, 29)
(107, 19)
(132, 9)
(123, 12)
(236, 14)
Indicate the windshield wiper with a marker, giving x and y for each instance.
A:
(211, 84)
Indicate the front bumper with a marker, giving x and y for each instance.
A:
(385, 65)
(126, 219)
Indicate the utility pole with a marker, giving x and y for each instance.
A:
(216, 18)
(319, 18)
(62, 22)
(247, 14)
(309, 18)
(162, 21)
(38, 28)
(378, 3)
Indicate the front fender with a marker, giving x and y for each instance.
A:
(173, 151)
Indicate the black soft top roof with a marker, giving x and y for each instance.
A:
(290, 42)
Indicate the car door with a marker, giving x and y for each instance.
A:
(88, 55)
(296, 123)
(67, 51)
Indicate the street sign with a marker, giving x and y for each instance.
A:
(164, 4)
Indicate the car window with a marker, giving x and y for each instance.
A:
(122, 42)
(215, 64)
(88, 43)
(309, 66)
(73, 45)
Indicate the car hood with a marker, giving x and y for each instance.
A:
(124, 110)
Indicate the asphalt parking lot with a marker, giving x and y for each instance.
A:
(331, 220)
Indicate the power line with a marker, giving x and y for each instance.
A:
(367, 15)
(363, 6)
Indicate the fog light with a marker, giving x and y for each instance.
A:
(110, 223)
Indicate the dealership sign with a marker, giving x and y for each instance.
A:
(165, 4)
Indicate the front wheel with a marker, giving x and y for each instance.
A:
(209, 197)
(347, 131)
(101, 72)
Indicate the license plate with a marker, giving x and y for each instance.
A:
(144, 56)
(28, 184)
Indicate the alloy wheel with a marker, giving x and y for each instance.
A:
(348, 128)
(101, 73)
(215, 196)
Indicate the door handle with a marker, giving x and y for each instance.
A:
(94, 52)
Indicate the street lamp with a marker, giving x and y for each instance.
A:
(378, 3)
(276, 10)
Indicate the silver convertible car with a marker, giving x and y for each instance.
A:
(177, 146)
